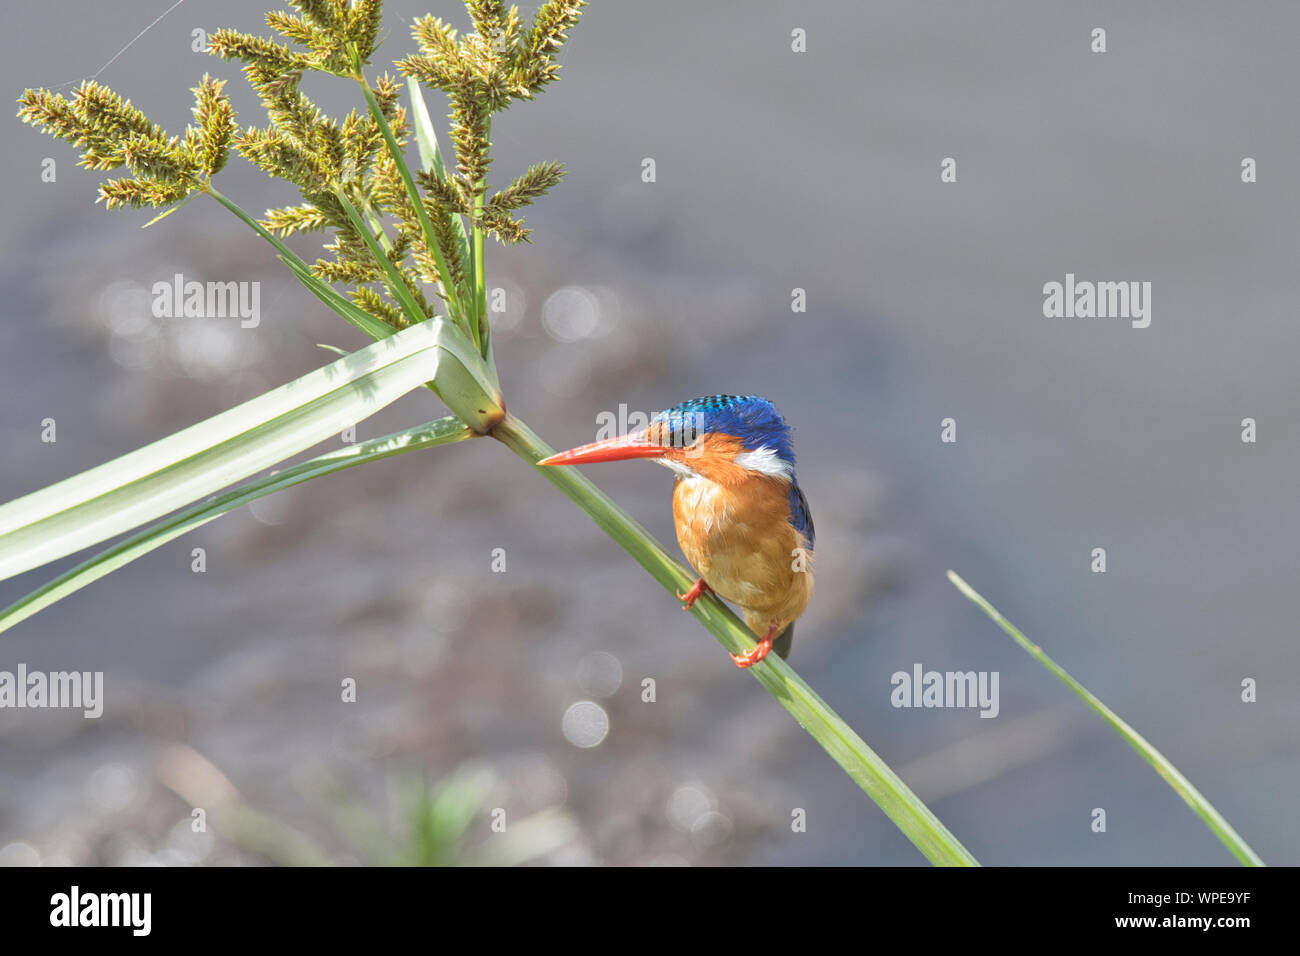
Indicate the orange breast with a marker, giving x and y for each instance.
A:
(740, 541)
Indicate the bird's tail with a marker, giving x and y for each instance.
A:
(782, 644)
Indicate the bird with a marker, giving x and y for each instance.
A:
(742, 520)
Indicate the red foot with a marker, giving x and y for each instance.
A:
(698, 588)
(760, 651)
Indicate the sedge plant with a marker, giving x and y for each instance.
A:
(405, 264)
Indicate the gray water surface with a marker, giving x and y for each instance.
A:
(774, 170)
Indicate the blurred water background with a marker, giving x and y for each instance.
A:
(523, 690)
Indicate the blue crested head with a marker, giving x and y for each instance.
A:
(751, 418)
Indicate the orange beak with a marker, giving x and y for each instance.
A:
(632, 445)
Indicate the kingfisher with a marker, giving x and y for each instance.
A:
(741, 518)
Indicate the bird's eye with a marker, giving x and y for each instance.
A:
(677, 431)
(687, 431)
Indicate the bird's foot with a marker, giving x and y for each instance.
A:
(689, 598)
(760, 650)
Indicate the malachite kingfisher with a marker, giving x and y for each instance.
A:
(742, 520)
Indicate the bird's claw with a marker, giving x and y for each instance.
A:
(759, 650)
(689, 598)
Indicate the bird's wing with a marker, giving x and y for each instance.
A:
(800, 516)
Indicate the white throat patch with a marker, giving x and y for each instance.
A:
(678, 468)
(765, 461)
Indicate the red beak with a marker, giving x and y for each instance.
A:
(633, 445)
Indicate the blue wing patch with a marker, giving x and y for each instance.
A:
(800, 516)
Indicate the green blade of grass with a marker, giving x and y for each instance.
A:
(426, 138)
(318, 287)
(392, 277)
(462, 388)
(454, 306)
(917, 822)
(358, 317)
(1168, 772)
(474, 393)
(479, 377)
(480, 282)
(443, 431)
(180, 469)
